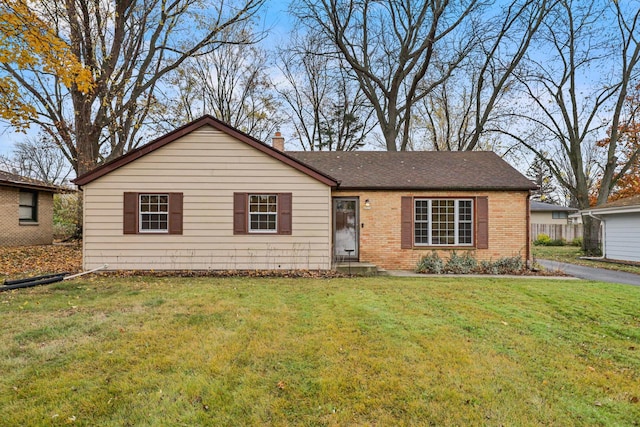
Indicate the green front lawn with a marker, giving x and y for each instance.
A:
(365, 351)
(572, 254)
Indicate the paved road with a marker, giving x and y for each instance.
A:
(590, 273)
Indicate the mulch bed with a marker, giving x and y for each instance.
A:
(27, 261)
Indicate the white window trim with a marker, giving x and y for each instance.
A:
(140, 213)
(276, 214)
(456, 225)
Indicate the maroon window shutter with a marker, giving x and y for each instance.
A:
(130, 214)
(175, 213)
(482, 223)
(406, 227)
(284, 213)
(239, 213)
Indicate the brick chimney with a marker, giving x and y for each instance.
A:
(277, 142)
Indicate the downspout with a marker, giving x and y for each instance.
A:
(528, 250)
(603, 228)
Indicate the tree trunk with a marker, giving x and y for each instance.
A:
(591, 239)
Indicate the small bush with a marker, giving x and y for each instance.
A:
(487, 267)
(430, 264)
(542, 240)
(66, 208)
(509, 265)
(457, 264)
(557, 242)
(577, 242)
(545, 240)
(466, 264)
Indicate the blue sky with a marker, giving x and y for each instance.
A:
(274, 18)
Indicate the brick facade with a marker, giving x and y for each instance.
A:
(380, 227)
(14, 233)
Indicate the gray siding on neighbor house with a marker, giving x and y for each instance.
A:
(622, 236)
(207, 166)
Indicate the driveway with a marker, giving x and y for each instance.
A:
(590, 273)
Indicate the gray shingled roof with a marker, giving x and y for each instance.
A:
(416, 170)
(549, 207)
(13, 180)
(620, 203)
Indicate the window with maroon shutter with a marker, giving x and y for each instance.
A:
(284, 213)
(406, 226)
(152, 213)
(130, 216)
(482, 222)
(175, 213)
(443, 222)
(239, 213)
(258, 213)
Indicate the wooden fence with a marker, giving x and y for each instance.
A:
(567, 232)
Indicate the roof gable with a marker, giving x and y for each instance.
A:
(190, 127)
(417, 170)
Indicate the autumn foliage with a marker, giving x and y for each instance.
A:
(27, 261)
(27, 43)
(629, 153)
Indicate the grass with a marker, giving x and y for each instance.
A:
(571, 254)
(366, 351)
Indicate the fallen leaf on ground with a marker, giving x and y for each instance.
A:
(27, 261)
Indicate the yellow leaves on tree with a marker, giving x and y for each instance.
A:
(26, 43)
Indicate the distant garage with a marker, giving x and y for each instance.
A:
(621, 228)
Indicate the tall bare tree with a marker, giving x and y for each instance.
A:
(232, 83)
(326, 105)
(461, 111)
(38, 158)
(128, 46)
(399, 50)
(575, 87)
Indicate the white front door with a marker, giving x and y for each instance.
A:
(345, 228)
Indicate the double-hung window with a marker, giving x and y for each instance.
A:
(443, 222)
(154, 213)
(28, 210)
(263, 213)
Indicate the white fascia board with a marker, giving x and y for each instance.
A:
(610, 211)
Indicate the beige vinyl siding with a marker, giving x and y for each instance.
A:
(207, 166)
(547, 218)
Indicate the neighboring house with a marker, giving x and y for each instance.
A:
(26, 210)
(620, 222)
(557, 222)
(207, 196)
(575, 218)
(547, 213)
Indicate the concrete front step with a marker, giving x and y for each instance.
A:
(358, 268)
